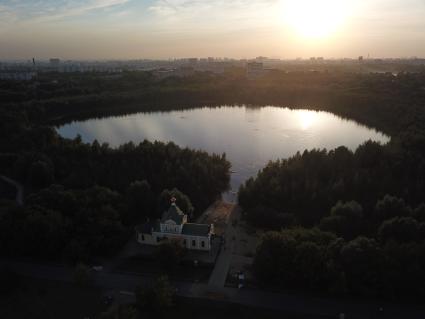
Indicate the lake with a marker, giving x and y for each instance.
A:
(249, 136)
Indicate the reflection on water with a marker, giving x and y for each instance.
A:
(249, 136)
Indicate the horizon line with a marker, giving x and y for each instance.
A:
(365, 58)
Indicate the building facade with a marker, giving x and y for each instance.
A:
(254, 70)
(174, 225)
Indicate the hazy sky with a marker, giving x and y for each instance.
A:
(101, 29)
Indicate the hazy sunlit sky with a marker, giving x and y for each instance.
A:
(122, 29)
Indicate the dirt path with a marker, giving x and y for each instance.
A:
(218, 214)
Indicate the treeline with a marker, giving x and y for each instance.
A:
(38, 157)
(317, 261)
(79, 225)
(83, 200)
(61, 224)
(393, 104)
(299, 191)
(307, 185)
(334, 227)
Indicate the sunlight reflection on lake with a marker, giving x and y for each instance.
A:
(249, 136)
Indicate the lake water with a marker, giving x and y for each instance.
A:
(249, 136)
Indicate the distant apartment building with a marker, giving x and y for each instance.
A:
(161, 74)
(318, 59)
(54, 62)
(192, 61)
(185, 71)
(213, 67)
(181, 72)
(261, 59)
(254, 70)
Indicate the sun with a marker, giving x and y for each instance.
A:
(315, 18)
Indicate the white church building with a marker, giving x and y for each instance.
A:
(174, 226)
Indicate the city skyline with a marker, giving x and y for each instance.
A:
(159, 29)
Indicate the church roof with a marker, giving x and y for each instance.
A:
(174, 213)
(196, 229)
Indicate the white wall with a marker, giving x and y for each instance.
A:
(171, 227)
(198, 243)
(148, 239)
(188, 245)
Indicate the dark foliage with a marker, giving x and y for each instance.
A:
(361, 241)
(83, 200)
(170, 254)
(157, 298)
(59, 223)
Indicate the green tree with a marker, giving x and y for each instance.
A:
(401, 229)
(274, 261)
(82, 276)
(362, 262)
(269, 218)
(345, 220)
(294, 258)
(140, 201)
(182, 201)
(45, 231)
(390, 207)
(170, 253)
(157, 298)
(419, 212)
(120, 312)
(41, 174)
(310, 264)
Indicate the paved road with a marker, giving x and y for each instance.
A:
(19, 189)
(221, 268)
(329, 308)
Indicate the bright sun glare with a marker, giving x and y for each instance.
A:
(315, 18)
(307, 119)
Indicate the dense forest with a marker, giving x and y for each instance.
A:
(353, 222)
(82, 201)
(390, 103)
(350, 221)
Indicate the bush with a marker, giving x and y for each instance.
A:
(170, 253)
(157, 298)
(82, 276)
(401, 229)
